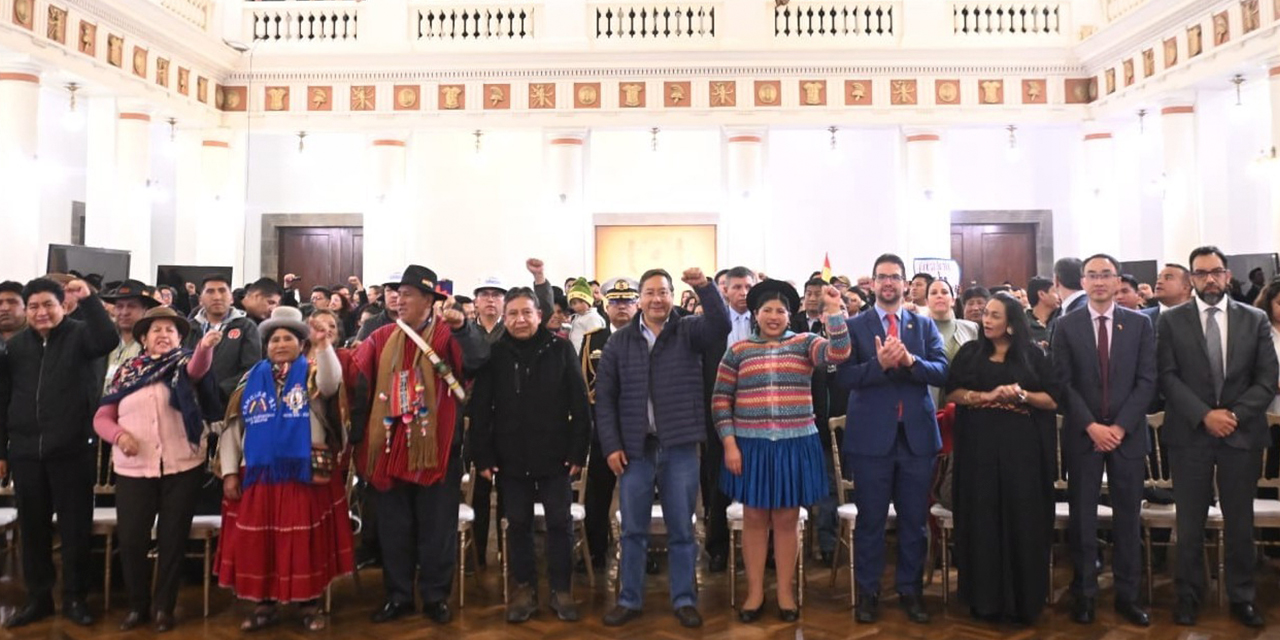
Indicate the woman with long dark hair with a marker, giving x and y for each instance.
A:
(1004, 390)
(1269, 301)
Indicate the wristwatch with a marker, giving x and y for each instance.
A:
(1022, 396)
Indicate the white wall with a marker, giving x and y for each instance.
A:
(62, 161)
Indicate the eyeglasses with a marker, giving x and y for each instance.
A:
(1098, 277)
(889, 277)
(1201, 274)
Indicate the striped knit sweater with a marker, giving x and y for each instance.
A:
(763, 390)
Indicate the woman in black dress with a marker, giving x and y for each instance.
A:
(1004, 466)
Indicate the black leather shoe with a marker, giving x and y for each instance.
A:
(788, 615)
(718, 564)
(164, 622)
(1184, 613)
(619, 615)
(391, 611)
(1247, 614)
(133, 620)
(1133, 613)
(689, 617)
(865, 610)
(747, 616)
(652, 567)
(826, 558)
(1083, 610)
(78, 612)
(437, 612)
(34, 611)
(914, 607)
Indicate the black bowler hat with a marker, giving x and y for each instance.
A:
(422, 279)
(773, 286)
(133, 289)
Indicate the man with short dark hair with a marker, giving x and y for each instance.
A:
(973, 301)
(1218, 372)
(919, 291)
(240, 347)
(897, 355)
(13, 311)
(261, 298)
(1173, 287)
(1105, 362)
(1045, 303)
(1257, 280)
(1127, 293)
(48, 393)
(650, 420)
(320, 298)
(1067, 275)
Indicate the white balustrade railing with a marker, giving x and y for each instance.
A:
(996, 18)
(1113, 10)
(654, 20)
(475, 21)
(303, 21)
(837, 19)
(196, 12)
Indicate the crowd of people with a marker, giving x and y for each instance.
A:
(720, 401)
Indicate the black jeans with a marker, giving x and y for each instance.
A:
(138, 501)
(61, 485)
(519, 495)
(418, 528)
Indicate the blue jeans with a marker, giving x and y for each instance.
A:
(676, 471)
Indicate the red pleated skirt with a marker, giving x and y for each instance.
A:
(285, 542)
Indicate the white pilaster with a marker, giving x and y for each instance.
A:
(1182, 224)
(386, 219)
(118, 213)
(746, 209)
(924, 227)
(1095, 217)
(19, 174)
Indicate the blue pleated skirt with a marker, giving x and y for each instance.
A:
(778, 474)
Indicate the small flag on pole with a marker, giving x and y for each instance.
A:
(826, 267)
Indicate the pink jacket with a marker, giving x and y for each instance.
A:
(145, 414)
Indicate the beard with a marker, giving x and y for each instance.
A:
(1211, 298)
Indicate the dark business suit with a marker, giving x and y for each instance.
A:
(1078, 303)
(1247, 389)
(1131, 385)
(892, 455)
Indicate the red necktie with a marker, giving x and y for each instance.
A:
(893, 332)
(1104, 363)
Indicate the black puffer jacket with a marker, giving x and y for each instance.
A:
(48, 388)
(529, 410)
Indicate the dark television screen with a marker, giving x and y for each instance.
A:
(178, 275)
(111, 264)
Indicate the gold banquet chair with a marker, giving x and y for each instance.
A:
(734, 516)
(1266, 511)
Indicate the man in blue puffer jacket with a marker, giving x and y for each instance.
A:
(650, 421)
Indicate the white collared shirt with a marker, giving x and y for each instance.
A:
(1202, 309)
(1066, 302)
(1110, 315)
(652, 339)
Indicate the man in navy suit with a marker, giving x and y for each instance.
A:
(1105, 359)
(1067, 274)
(891, 439)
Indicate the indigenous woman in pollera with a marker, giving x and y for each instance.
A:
(763, 410)
(285, 529)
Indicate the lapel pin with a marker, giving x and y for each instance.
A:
(911, 325)
(1119, 327)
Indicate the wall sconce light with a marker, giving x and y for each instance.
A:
(302, 137)
(478, 134)
(653, 138)
(1237, 80)
(832, 130)
(1142, 125)
(173, 129)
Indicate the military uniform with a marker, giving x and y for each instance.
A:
(600, 478)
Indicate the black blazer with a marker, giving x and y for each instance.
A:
(1131, 378)
(1249, 385)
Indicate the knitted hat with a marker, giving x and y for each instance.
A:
(581, 290)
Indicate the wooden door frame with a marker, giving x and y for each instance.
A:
(272, 222)
(1041, 218)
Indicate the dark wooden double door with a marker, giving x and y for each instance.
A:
(991, 254)
(321, 255)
